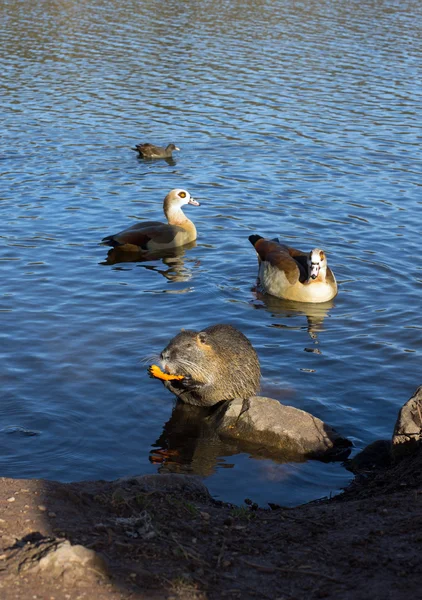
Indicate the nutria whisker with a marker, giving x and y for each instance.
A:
(150, 358)
(195, 370)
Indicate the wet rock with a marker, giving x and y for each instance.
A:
(407, 436)
(267, 423)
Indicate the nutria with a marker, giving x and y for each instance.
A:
(218, 363)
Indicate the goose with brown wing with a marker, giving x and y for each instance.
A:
(291, 274)
(155, 236)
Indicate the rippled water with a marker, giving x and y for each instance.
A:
(296, 119)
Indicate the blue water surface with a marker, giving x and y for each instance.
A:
(297, 120)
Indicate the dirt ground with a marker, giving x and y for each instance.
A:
(163, 536)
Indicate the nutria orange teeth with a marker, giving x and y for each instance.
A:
(155, 371)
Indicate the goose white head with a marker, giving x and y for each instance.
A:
(177, 198)
(317, 264)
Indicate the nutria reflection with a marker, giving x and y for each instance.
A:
(189, 443)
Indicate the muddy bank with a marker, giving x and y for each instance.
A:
(163, 536)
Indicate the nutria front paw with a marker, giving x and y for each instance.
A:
(189, 383)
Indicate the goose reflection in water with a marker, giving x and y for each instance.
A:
(173, 259)
(314, 313)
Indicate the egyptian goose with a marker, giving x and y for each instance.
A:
(154, 235)
(291, 274)
(151, 151)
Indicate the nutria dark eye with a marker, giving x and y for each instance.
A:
(182, 194)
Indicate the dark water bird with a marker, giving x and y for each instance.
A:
(291, 274)
(155, 236)
(151, 151)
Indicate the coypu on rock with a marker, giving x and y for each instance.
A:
(218, 367)
(217, 363)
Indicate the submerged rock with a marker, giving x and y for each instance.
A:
(277, 428)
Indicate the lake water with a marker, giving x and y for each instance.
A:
(295, 119)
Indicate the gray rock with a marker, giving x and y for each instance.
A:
(279, 429)
(407, 436)
(65, 560)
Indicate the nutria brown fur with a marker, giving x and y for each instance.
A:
(219, 363)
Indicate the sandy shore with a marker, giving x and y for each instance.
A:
(163, 536)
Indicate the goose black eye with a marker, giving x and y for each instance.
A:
(182, 194)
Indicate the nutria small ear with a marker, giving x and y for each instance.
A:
(202, 337)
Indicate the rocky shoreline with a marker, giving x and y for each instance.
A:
(163, 536)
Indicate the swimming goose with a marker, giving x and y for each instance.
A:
(156, 236)
(291, 274)
(151, 151)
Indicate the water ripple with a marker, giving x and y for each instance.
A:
(295, 121)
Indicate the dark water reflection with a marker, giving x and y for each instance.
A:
(189, 443)
(297, 120)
